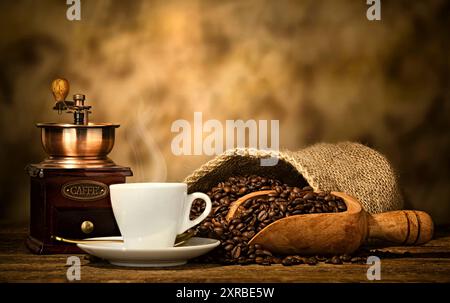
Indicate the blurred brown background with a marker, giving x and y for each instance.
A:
(320, 67)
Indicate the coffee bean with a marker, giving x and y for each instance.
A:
(328, 198)
(243, 190)
(296, 202)
(202, 228)
(346, 258)
(311, 261)
(288, 261)
(267, 253)
(341, 205)
(259, 252)
(336, 260)
(275, 260)
(298, 260)
(235, 221)
(262, 215)
(320, 258)
(235, 232)
(236, 252)
(218, 231)
(228, 247)
(308, 196)
(240, 226)
(266, 262)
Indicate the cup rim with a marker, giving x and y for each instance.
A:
(149, 185)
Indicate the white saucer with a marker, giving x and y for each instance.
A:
(118, 254)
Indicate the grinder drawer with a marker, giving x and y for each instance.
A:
(84, 223)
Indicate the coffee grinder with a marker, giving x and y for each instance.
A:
(69, 190)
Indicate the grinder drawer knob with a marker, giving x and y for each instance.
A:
(87, 227)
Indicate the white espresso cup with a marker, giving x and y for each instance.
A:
(151, 215)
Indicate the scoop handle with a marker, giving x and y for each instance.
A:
(403, 227)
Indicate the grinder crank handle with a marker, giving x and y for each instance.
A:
(403, 227)
(60, 89)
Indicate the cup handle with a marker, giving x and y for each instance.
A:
(188, 223)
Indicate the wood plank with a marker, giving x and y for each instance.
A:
(427, 263)
(392, 270)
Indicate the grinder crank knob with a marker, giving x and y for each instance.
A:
(60, 89)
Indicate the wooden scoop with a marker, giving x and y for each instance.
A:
(339, 233)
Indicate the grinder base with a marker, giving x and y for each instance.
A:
(70, 203)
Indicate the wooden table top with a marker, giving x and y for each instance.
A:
(428, 263)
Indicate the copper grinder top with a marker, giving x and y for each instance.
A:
(80, 144)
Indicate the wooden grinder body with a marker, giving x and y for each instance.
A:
(72, 203)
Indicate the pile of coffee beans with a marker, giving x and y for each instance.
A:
(255, 214)
(259, 212)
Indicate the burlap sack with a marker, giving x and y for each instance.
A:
(347, 167)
